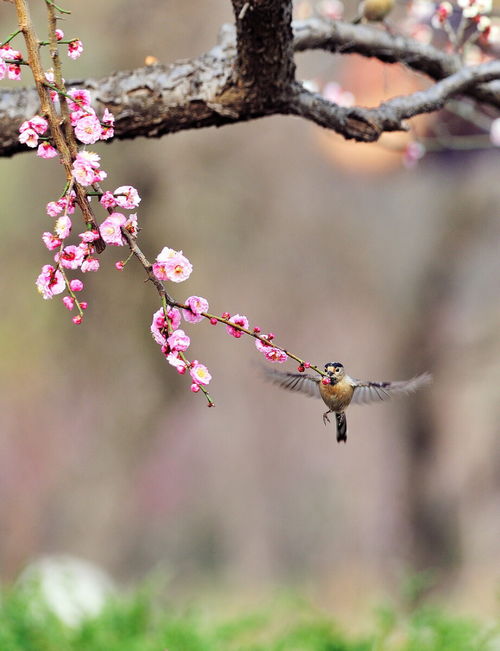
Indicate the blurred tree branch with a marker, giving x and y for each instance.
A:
(250, 74)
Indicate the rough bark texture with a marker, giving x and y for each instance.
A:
(250, 73)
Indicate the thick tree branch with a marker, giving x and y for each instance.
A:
(207, 91)
(265, 67)
(367, 124)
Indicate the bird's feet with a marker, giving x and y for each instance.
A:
(325, 417)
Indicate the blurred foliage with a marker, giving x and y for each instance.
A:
(140, 623)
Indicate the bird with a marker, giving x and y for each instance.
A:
(338, 390)
(374, 11)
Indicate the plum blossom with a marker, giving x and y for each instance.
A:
(130, 198)
(50, 282)
(413, 152)
(29, 137)
(107, 125)
(59, 34)
(71, 257)
(51, 241)
(441, 15)
(45, 150)
(76, 285)
(90, 264)
(178, 363)
(89, 236)
(69, 302)
(172, 265)
(157, 325)
(131, 224)
(275, 355)
(81, 99)
(111, 229)
(199, 373)
(86, 167)
(75, 48)
(178, 341)
(239, 320)
(108, 200)
(196, 305)
(88, 129)
(62, 227)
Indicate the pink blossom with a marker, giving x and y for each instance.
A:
(88, 129)
(119, 265)
(172, 265)
(75, 48)
(90, 264)
(111, 229)
(178, 341)
(200, 374)
(69, 302)
(108, 200)
(131, 224)
(81, 99)
(53, 208)
(275, 355)
(179, 364)
(130, 198)
(63, 227)
(107, 125)
(240, 320)
(174, 316)
(89, 236)
(412, 154)
(51, 241)
(83, 172)
(196, 305)
(71, 257)
(29, 137)
(39, 124)
(157, 325)
(50, 282)
(14, 72)
(332, 9)
(59, 34)
(3, 68)
(76, 285)
(45, 150)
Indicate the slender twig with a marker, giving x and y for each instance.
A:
(49, 112)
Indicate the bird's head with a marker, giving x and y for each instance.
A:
(335, 371)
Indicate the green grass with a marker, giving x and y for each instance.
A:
(138, 623)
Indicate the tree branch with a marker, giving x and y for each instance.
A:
(207, 91)
(367, 124)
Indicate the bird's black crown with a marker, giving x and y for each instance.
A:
(334, 364)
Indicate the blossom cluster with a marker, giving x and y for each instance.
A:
(174, 341)
(9, 66)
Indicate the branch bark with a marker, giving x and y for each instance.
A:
(227, 85)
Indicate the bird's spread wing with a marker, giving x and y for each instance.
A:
(307, 384)
(366, 392)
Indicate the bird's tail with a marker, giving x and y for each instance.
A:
(341, 426)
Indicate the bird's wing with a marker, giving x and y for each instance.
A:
(307, 384)
(366, 392)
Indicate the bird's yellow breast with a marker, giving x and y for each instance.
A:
(375, 10)
(336, 396)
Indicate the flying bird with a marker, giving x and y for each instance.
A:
(338, 390)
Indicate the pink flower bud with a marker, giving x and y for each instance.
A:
(69, 302)
(325, 380)
(84, 305)
(77, 319)
(213, 321)
(119, 265)
(76, 285)
(195, 387)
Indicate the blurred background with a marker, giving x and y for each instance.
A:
(342, 252)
